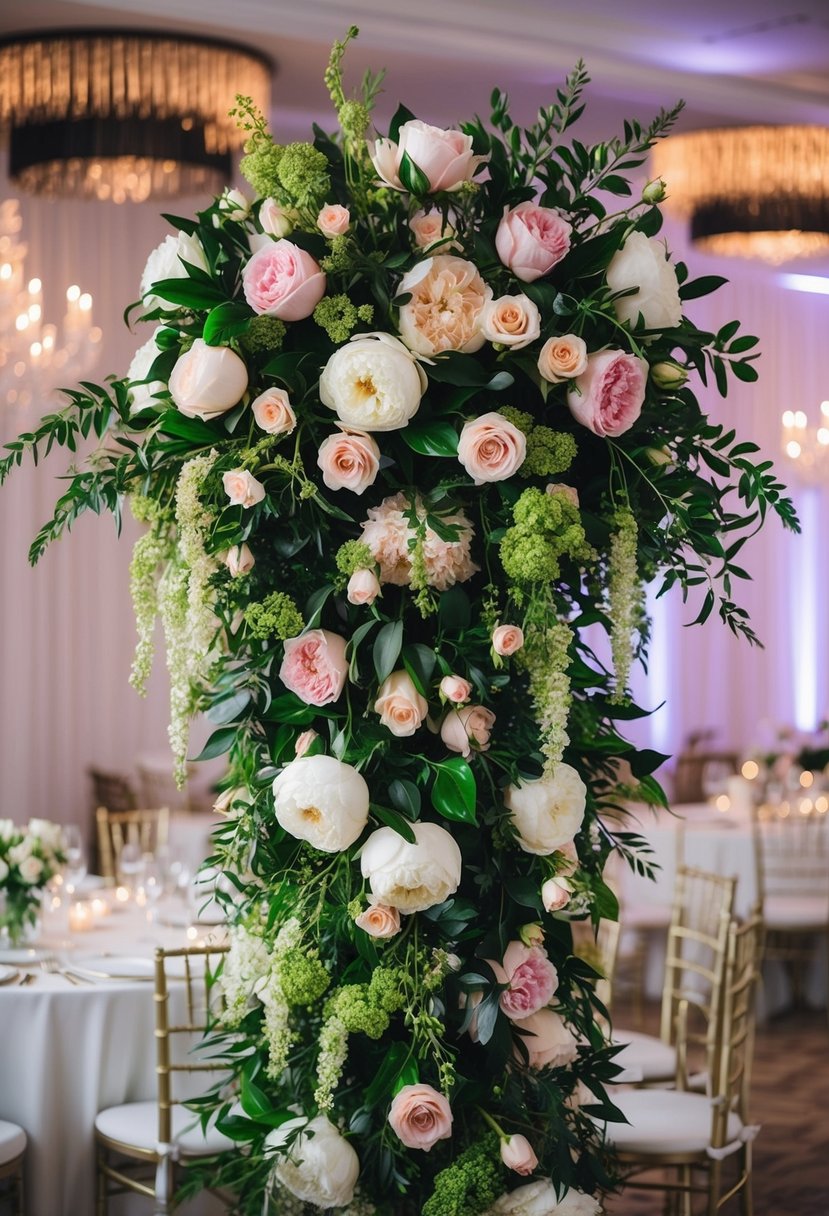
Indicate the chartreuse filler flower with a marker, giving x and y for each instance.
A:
(391, 442)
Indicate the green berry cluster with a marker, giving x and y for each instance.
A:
(263, 336)
(303, 977)
(275, 616)
(303, 175)
(547, 527)
(549, 452)
(471, 1184)
(354, 555)
(339, 317)
(367, 1008)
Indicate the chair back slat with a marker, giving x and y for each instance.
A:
(148, 829)
(791, 851)
(736, 1035)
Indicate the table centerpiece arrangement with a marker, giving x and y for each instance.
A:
(414, 427)
(30, 857)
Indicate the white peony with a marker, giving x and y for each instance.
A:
(539, 1199)
(166, 262)
(373, 383)
(208, 380)
(547, 813)
(321, 800)
(412, 877)
(642, 262)
(322, 1168)
(142, 395)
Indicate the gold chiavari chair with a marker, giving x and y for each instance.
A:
(684, 1135)
(113, 790)
(139, 1143)
(12, 1152)
(694, 971)
(791, 854)
(148, 829)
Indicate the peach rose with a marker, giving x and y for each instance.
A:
(282, 280)
(607, 398)
(531, 240)
(399, 704)
(304, 741)
(334, 220)
(207, 381)
(467, 728)
(491, 448)
(363, 587)
(429, 227)
(420, 1116)
(517, 1154)
(562, 358)
(273, 412)
(555, 894)
(379, 920)
(315, 666)
(239, 560)
(448, 297)
(511, 321)
(455, 689)
(444, 156)
(507, 639)
(275, 220)
(350, 460)
(242, 488)
(547, 1039)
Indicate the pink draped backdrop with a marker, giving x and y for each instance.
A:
(67, 635)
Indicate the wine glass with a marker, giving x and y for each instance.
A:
(715, 774)
(151, 886)
(74, 870)
(130, 866)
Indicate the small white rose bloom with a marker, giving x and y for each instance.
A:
(322, 800)
(7, 829)
(166, 262)
(275, 220)
(547, 813)
(643, 263)
(18, 853)
(239, 560)
(555, 893)
(208, 381)
(142, 395)
(373, 383)
(31, 869)
(412, 877)
(51, 834)
(539, 1199)
(322, 1168)
(234, 204)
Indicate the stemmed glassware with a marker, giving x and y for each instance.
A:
(75, 869)
(130, 867)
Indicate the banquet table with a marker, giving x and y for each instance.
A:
(70, 1050)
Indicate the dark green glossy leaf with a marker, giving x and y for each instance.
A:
(387, 647)
(454, 791)
(432, 439)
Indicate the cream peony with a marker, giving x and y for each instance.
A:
(242, 488)
(373, 383)
(322, 1168)
(208, 381)
(539, 1199)
(548, 812)
(322, 800)
(143, 395)
(448, 298)
(167, 262)
(512, 321)
(491, 448)
(399, 704)
(412, 877)
(273, 412)
(643, 263)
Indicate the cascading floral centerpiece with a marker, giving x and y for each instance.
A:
(412, 429)
(30, 856)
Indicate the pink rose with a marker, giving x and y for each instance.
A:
(530, 240)
(463, 729)
(491, 448)
(242, 488)
(350, 460)
(420, 1116)
(282, 280)
(555, 894)
(334, 220)
(455, 689)
(239, 560)
(304, 741)
(547, 1040)
(363, 587)
(399, 704)
(532, 980)
(379, 921)
(273, 412)
(429, 228)
(607, 398)
(444, 156)
(507, 639)
(512, 321)
(315, 666)
(517, 1154)
(563, 358)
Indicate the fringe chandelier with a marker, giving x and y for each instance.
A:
(755, 192)
(124, 115)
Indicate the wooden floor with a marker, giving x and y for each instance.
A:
(790, 1098)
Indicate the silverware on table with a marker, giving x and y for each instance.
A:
(51, 966)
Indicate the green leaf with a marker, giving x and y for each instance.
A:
(219, 742)
(226, 321)
(395, 821)
(401, 115)
(432, 439)
(745, 372)
(412, 177)
(419, 661)
(228, 708)
(289, 709)
(255, 1101)
(387, 647)
(454, 609)
(406, 797)
(188, 293)
(196, 431)
(454, 791)
(701, 287)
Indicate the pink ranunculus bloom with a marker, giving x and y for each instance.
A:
(491, 448)
(467, 728)
(242, 488)
(273, 412)
(455, 689)
(350, 460)
(507, 639)
(363, 587)
(282, 280)
(379, 921)
(608, 397)
(548, 1041)
(304, 741)
(532, 980)
(517, 1154)
(420, 1117)
(334, 220)
(315, 666)
(531, 240)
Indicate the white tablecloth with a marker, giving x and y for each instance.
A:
(68, 1052)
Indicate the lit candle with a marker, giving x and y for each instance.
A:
(100, 907)
(80, 916)
(122, 895)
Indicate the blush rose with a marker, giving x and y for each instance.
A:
(273, 412)
(281, 280)
(399, 704)
(315, 666)
(420, 1117)
(350, 460)
(491, 448)
(531, 240)
(467, 728)
(242, 488)
(607, 398)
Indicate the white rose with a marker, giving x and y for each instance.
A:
(142, 395)
(511, 321)
(642, 262)
(208, 380)
(539, 1199)
(412, 877)
(373, 383)
(234, 205)
(50, 833)
(18, 853)
(547, 813)
(31, 869)
(322, 1168)
(166, 262)
(321, 800)
(275, 220)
